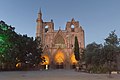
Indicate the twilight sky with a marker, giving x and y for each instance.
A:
(97, 17)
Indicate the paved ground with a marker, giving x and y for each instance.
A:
(55, 75)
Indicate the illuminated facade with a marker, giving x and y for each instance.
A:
(58, 45)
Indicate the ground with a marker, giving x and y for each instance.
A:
(55, 75)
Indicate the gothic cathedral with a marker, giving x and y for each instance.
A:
(58, 45)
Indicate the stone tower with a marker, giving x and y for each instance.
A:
(43, 27)
(39, 25)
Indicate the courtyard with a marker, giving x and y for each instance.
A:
(59, 74)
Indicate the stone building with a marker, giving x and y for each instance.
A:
(58, 45)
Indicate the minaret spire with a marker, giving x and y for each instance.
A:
(40, 11)
(40, 14)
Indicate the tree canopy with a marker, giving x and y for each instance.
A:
(103, 58)
(16, 48)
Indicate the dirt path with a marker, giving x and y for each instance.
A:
(54, 75)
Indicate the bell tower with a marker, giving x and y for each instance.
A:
(39, 29)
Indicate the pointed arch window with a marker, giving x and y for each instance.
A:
(59, 39)
(72, 28)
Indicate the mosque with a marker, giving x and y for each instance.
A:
(58, 45)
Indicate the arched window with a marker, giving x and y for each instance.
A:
(46, 28)
(72, 28)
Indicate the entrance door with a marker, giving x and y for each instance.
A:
(59, 66)
(59, 60)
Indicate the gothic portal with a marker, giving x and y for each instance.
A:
(58, 45)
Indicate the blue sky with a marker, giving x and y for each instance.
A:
(97, 17)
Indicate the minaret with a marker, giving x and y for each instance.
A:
(39, 28)
(40, 14)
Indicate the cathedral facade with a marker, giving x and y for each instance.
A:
(58, 45)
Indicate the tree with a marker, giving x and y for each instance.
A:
(111, 50)
(16, 48)
(76, 49)
(5, 44)
(30, 55)
(39, 50)
(92, 56)
(77, 54)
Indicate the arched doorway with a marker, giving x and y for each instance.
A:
(59, 60)
(73, 61)
(46, 62)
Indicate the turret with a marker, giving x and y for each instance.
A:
(39, 25)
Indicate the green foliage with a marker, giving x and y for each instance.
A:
(93, 53)
(3, 26)
(5, 43)
(100, 58)
(112, 39)
(111, 50)
(76, 49)
(16, 48)
(111, 47)
(98, 69)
